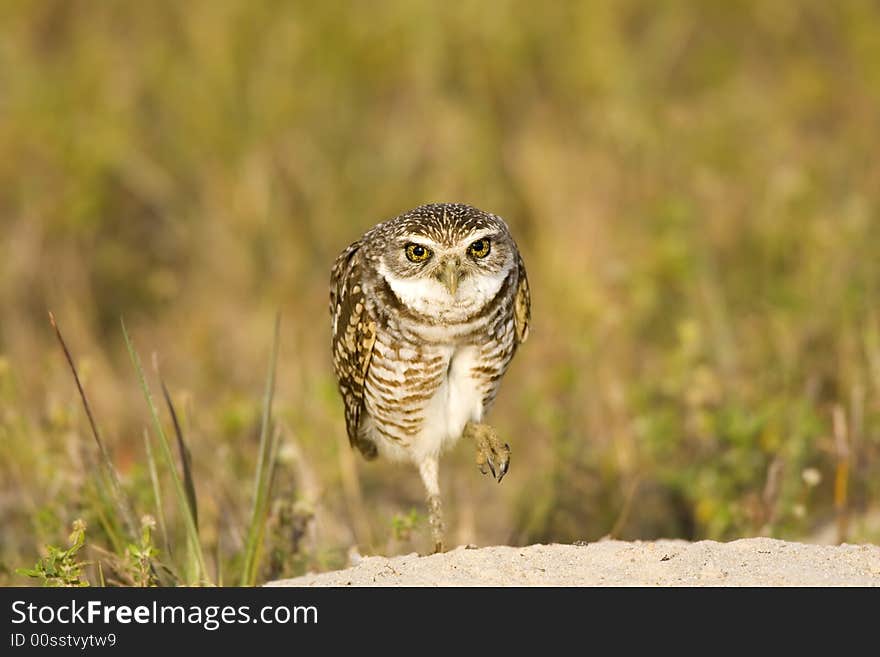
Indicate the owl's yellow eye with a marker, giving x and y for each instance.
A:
(480, 248)
(417, 252)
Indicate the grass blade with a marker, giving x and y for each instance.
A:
(185, 466)
(182, 448)
(123, 506)
(180, 493)
(264, 474)
(185, 456)
(218, 563)
(157, 492)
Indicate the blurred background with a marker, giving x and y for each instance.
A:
(695, 187)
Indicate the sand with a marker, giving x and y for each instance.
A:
(746, 562)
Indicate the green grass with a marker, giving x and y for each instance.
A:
(693, 186)
(141, 563)
(265, 473)
(197, 573)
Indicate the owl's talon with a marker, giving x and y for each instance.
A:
(491, 452)
(505, 465)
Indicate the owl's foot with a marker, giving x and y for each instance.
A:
(491, 452)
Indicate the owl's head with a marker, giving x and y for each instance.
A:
(446, 260)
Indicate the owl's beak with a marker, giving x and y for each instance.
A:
(450, 275)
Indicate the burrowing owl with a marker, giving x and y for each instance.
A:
(428, 309)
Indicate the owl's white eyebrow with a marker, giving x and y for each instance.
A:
(424, 240)
(483, 232)
(419, 239)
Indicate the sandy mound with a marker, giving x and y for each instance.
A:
(747, 562)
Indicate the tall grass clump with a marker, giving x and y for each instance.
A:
(142, 563)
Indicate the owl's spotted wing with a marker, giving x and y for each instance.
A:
(522, 304)
(354, 334)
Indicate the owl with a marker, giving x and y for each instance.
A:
(427, 312)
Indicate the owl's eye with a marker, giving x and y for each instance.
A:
(480, 248)
(417, 252)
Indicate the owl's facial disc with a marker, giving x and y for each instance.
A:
(445, 279)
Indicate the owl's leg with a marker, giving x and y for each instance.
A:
(428, 469)
(491, 451)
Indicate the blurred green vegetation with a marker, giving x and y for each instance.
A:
(695, 187)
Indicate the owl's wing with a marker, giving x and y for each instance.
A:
(354, 334)
(522, 304)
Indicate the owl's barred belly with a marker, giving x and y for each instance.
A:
(418, 406)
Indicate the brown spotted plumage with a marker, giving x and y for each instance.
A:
(427, 312)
